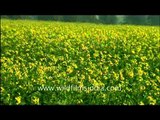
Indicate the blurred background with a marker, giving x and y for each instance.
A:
(102, 19)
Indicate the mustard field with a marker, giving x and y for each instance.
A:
(50, 63)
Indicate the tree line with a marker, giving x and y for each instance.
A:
(104, 19)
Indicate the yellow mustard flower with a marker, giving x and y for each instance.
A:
(69, 70)
(18, 100)
(35, 100)
(141, 103)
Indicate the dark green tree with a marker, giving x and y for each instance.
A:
(45, 17)
(154, 19)
(70, 18)
(108, 19)
(136, 19)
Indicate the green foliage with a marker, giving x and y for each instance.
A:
(105, 19)
(154, 20)
(38, 58)
(108, 19)
(137, 19)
